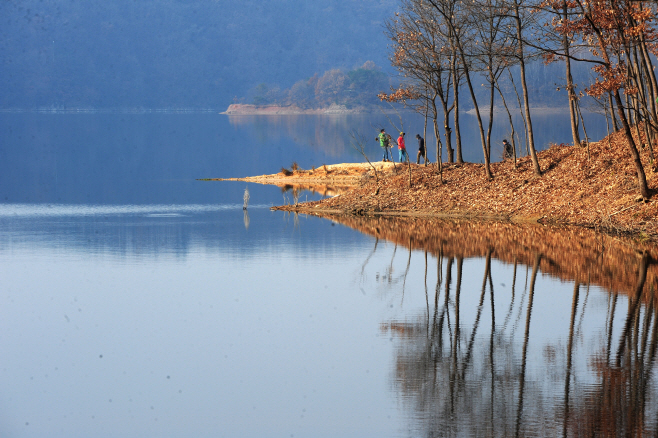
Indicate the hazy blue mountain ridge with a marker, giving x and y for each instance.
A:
(167, 53)
(202, 54)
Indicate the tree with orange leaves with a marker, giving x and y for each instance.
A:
(615, 30)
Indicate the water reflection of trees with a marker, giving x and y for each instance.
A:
(329, 134)
(462, 379)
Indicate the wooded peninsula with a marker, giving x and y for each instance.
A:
(444, 49)
(591, 186)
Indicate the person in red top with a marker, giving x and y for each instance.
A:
(402, 150)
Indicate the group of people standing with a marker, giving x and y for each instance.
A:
(385, 141)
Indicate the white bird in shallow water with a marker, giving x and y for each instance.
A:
(246, 198)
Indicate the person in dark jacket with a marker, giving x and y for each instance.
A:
(422, 152)
(508, 150)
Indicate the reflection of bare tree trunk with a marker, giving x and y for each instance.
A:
(491, 352)
(430, 345)
(363, 267)
(633, 306)
(390, 268)
(582, 312)
(427, 301)
(445, 310)
(535, 269)
(653, 345)
(612, 318)
(567, 379)
(437, 291)
(460, 265)
(448, 282)
(455, 344)
(467, 359)
(511, 304)
(406, 272)
(648, 313)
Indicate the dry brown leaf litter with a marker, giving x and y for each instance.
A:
(594, 187)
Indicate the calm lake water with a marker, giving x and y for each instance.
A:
(138, 301)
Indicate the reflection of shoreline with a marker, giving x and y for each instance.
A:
(237, 109)
(477, 377)
(568, 253)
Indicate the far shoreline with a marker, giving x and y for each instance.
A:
(240, 109)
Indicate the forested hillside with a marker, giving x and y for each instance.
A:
(170, 53)
(201, 54)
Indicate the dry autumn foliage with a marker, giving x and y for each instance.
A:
(593, 186)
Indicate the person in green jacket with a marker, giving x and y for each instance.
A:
(383, 138)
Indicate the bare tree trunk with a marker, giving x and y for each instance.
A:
(615, 125)
(425, 125)
(525, 125)
(458, 137)
(607, 123)
(635, 155)
(487, 159)
(511, 122)
(524, 86)
(648, 67)
(437, 135)
(448, 20)
(571, 93)
(492, 96)
(448, 133)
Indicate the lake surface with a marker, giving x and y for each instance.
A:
(138, 301)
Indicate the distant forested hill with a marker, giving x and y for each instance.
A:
(172, 53)
(353, 88)
(193, 54)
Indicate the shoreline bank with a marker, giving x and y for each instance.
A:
(593, 187)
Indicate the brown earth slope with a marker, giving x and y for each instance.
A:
(593, 186)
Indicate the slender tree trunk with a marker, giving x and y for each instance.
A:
(425, 126)
(487, 167)
(648, 67)
(571, 93)
(448, 136)
(448, 19)
(458, 137)
(635, 155)
(525, 125)
(492, 96)
(511, 123)
(437, 135)
(446, 126)
(615, 125)
(524, 86)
